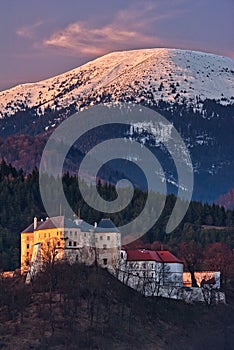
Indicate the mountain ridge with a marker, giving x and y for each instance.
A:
(197, 75)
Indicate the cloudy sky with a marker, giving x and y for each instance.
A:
(39, 39)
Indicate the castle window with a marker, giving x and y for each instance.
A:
(27, 246)
(144, 265)
(85, 234)
(71, 233)
(105, 261)
(122, 255)
(65, 232)
(27, 253)
(70, 243)
(104, 246)
(57, 233)
(108, 238)
(58, 244)
(75, 233)
(74, 244)
(152, 265)
(44, 235)
(27, 238)
(100, 238)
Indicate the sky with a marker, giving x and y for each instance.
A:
(40, 39)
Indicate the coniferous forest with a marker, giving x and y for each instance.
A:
(20, 200)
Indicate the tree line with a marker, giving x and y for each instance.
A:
(20, 202)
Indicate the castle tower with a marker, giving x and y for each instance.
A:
(107, 243)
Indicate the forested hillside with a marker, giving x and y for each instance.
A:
(20, 202)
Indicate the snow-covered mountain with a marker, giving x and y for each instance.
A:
(193, 90)
(172, 75)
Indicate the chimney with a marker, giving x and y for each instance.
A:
(35, 223)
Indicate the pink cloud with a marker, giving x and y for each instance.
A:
(28, 31)
(126, 31)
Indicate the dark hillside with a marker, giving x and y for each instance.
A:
(76, 307)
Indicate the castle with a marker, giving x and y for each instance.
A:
(153, 273)
(61, 238)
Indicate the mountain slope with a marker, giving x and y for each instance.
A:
(193, 90)
(167, 74)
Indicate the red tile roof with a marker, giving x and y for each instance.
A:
(168, 257)
(152, 255)
(142, 255)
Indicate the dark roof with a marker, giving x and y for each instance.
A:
(151, 255)
(68, 223)
(84, 226)
(106, 225)
(53, 222)
(58, 222)
(30, 228)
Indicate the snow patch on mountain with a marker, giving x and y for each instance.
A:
(170, 75)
